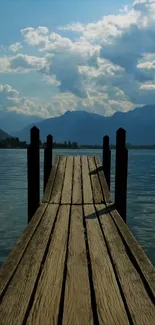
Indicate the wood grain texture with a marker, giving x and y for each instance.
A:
(77, 304)
(86, 185)
(96, 187)
(49, 186)
(110, 307)
(142, 260)
(58, 182)
(77, 186)
(67, 185)
(8, 269)
(141, 308)
(46, 304)
(104, 185)
(15, 303)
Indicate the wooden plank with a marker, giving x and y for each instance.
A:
(59, 179)
(67, 185)
(110, 307)
(96, 187)
(15, 303)
(140, 257)
(77, 186)
(141, 308)
(77, 304)
(49, 186)
(86, 185)
(104, 185)
(10, 266)
(45, 309)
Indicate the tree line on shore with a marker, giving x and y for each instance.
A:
(15, 143)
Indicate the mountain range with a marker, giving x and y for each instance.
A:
(11, 121)
(88, 128)
(3, 135)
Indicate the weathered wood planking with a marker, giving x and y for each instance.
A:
(109, 302)
(136, 251)
(45, 309)
(86, 185)
(15, 303)
(77, 178)
(58, 182)
(96, 187)
(10, 266)
(104, 185)
(70, 268)
(67, 184)
(141, 308)
(49, 186)
(77, 304)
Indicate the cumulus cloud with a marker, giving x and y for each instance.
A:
(66, 70)
(36, 36)
(21, 63)
(25, 62)
(7, 94)
(108, 66)
(10, 100)
(65, 61)
(15, 47)
(127, 41)
(106, 29)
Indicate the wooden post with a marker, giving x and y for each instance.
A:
(106, 159)
(121, 173)
(48, 159)
(33, 166)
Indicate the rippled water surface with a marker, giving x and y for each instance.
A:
(141, 196)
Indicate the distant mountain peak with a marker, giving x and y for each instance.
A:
(67, 112)
(3, 135)
(89, 128)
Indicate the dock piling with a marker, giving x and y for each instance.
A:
(33, 166)
(106, 159)
(121, 173)
(48, 159)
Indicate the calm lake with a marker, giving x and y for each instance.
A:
(141, 196)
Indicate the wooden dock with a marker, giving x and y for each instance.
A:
(77, 262)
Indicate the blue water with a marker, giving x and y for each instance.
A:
(141, 196)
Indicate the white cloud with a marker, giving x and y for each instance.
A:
(51, 80)
(21, 63)
(4, 64)
(109, 27)
(26, 62)
(7, 94)
(148, 86)
(11, 100)
(148, 65)
(36, 36)
(15, 47)
(108, 66)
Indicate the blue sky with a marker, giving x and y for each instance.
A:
(81, 54)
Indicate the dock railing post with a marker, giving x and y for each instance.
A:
(106, 159)
(33, 167)
(121, 173)
(48, 159)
